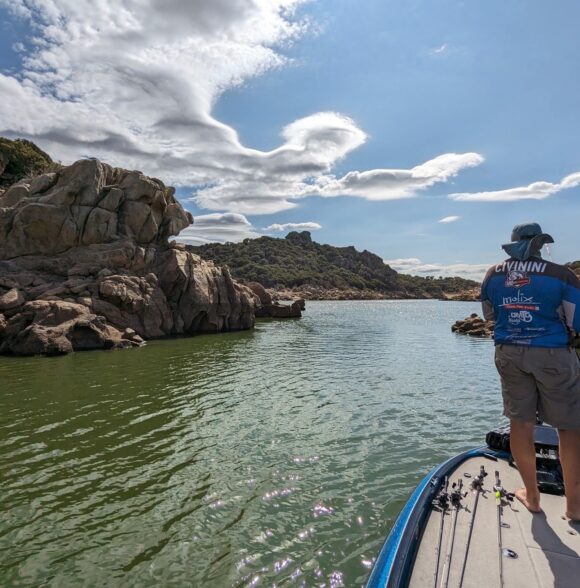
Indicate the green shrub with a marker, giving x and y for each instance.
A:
(20, 159)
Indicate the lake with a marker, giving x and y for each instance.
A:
(274, 457)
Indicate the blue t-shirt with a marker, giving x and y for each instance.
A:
(533, 302)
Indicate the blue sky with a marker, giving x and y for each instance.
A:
(401, 82)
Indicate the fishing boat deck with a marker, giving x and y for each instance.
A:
(547, 545)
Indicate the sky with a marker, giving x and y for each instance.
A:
(421, 130)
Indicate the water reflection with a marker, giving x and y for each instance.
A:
(279, 456)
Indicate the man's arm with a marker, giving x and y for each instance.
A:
(486, 305)
(571, 302)
(488, 312)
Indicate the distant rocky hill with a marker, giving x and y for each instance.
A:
(297, 265)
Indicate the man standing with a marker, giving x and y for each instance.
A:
(536, 308)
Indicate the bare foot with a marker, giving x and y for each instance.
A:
(532, 504)
(574, 517)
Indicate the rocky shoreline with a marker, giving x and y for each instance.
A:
(86, 263)
(474, 326)
(316, 293)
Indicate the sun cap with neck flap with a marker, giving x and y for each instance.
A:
(527, 241)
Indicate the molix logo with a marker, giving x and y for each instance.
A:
(520, 300)
(517, 279)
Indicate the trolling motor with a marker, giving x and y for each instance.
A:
(549, 470)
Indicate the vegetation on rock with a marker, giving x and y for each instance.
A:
(21, 159)
(297, 262)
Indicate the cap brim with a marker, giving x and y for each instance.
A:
(540, 240)
(524, 249)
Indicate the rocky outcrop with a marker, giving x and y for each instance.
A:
(87, 203)
(266, 307)
(11, 299)
(264, 298)
(86, 263)
(293, 310)
(474, 326)
(467, 295)
(55, 327)
(309, 292)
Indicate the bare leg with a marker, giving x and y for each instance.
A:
(570, 460)
(524, 452)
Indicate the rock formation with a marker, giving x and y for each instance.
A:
(474, 326)
(267, 307)
(85, 263)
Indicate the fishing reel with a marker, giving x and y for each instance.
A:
(500, 491)
(457, 495)
(441, 501)
(477, 482)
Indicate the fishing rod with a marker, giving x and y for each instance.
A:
(455, 498)
(501, 493)
(477, 486)
(498, 495)
(442, 502)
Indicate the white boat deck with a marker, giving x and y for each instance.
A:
(547, 544)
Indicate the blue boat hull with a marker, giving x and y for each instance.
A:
(394, 564)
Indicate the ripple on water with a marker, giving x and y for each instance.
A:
(274, 457)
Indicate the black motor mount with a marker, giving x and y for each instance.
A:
(548, 466)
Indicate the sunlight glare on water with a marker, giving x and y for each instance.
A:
(273, 457)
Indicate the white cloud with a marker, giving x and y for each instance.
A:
(294, 227)
(416, 267)
(449, 219)
(393, 184)
(276, 192)
(534, 191)
(441, 49)
(217, 228)
(134, 82)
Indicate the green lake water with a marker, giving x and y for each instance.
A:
(274, 457)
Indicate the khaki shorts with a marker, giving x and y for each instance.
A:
(540, 379)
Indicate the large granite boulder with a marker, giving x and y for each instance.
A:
(11, 299)
(264, 297)
(293, 310)
(55, 327)
(267, 307)
(474, 326)
(87, 203)
(86, 263)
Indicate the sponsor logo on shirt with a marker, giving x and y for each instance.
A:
(519, 302)
(521, 316)
(517, 279)
(538, 267)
